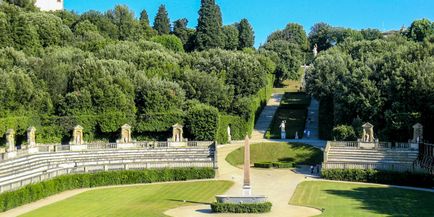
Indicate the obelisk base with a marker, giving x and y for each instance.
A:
(247, 190)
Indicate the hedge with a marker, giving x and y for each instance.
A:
(34, 192)
(241, 208)
(202, 122)
(381, 177)
(274, 164)
(238, 128)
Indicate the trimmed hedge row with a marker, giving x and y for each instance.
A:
(381, 177)
(241, 208)
(274, 164)
(34, 192)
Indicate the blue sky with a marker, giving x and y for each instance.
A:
(267, 16)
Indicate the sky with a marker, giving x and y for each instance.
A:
(267, 16)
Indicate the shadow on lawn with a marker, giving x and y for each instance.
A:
(189, 201)
(391, 201)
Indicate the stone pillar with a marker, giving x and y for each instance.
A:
(177, 133)
(417, 133)
(247, 189)
(31, 137)
(368, 133)
(126, 134)
(10, 140)
(77, 136)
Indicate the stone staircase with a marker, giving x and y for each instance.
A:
(18, 172)
(343, 157)
(266, 116)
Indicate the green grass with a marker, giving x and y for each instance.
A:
(273, 152)
(288, 86)
(358, 200)
(146, 200)
(293, 109)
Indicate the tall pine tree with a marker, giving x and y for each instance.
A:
(144, 19)
(209, 32)
(246, 35)
(162, 22)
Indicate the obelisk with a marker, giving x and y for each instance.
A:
(247, 189)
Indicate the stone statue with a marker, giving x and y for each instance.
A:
(315, 50)
(77, 135)
(368, 132)
(177, 133)
(417, 133)
(10, 140)
(282, 130)
(229, 134)
(296, 134)
(31, 137)
(126, 134)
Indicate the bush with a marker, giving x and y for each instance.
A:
(59, 184)
(170, 42)
(263, 165)
(381, 177)
(202, 122)
(344, 133)
(241, 208)
(283, 164)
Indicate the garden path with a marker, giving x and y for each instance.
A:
(277, 184)
(267, 114)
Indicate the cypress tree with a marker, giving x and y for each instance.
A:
(162, 22)
(246, 34)
(144, 19)
(209, 32)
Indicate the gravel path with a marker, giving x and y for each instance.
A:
(277, 185)
(266, 116)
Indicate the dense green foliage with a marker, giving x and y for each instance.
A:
(34, 192)
(162, 21)
(344, 133)
(365, 79)
(278, 164)
(102, 70)
(202, 122)
(278, 152)
(209, 32)
(362, 200)
(246, 35)
(134, 201)
(241, 208)
(382, 177)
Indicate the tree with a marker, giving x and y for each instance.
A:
(105, 25)
(246, 35)
(180, 30)
(371, 34)
(162, 21)
(124, 19)
(202, 122)
(420, 29)
(231, 37)
(320, 35)
(144, 18)
(293, 33)
(28, 4)
(170, 42)
(209, 32)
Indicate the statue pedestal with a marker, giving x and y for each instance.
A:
(126, 145)
(367, 145)
(247, 191)
(177, 144)
(33, 150)
(414, 146)
(283, 135)
(10, 155)
(78, 147)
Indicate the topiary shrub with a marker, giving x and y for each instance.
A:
(263, 165)
(283, 164)
(241, 208)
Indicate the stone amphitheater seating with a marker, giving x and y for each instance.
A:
(341, 157)
(18, 172)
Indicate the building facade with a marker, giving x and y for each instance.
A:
(49, 5)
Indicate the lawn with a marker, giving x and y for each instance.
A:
(145, 200)
(358, 200)
(273, 152)
(292, 109)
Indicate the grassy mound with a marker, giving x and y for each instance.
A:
(358, 200)
(277, 152)
(146, 200)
